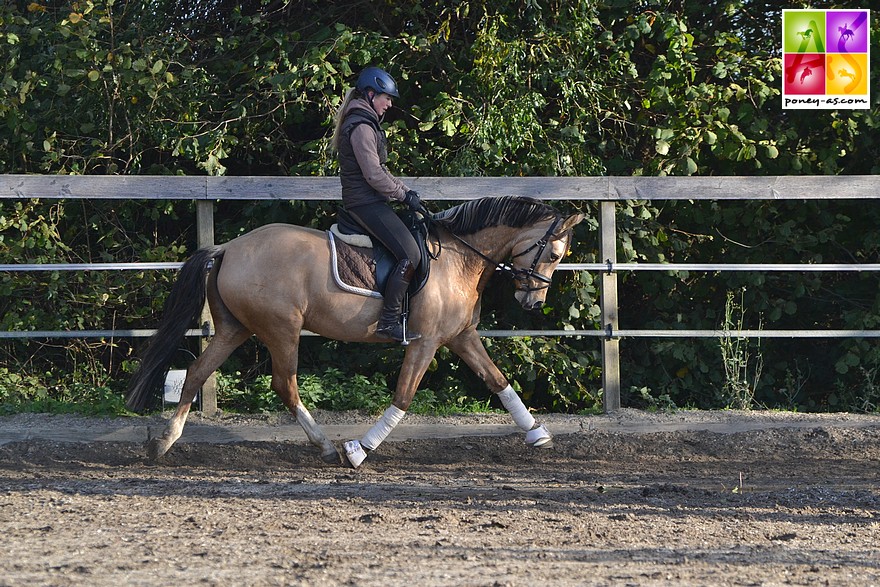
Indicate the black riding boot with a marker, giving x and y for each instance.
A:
(389, 320)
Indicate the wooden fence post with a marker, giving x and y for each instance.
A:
(608, 306)
(205, 238)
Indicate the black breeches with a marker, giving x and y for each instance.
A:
(381, 222)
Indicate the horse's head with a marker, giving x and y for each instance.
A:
(536, 254)
(536, 237)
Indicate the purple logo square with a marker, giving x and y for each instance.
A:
(847, 31)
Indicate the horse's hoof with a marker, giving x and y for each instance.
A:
(332, 458)
(355, 453)
(544, 444)
(156, 447)
(539, 437)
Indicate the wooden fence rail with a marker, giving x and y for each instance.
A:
(606, 190)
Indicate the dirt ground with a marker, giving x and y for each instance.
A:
(631, 498)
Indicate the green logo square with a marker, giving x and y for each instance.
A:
(803, 31)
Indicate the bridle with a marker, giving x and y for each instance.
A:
(521, 276)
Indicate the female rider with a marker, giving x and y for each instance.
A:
(368, 187)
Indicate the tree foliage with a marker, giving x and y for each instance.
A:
(513, 87)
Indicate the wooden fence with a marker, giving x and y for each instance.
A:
(606, 190)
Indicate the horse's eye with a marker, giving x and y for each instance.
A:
(554, 257)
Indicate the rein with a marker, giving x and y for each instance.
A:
(521, 276)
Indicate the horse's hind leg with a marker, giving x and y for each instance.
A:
(316, 436)
(284, 367)
(469, 347)
(229, 334)
(224, 342)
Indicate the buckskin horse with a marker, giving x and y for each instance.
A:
(277, 280)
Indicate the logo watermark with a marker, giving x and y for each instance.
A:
(825, 59)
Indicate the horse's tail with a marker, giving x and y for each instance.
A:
(183, 306)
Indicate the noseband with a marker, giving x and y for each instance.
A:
(521, 276)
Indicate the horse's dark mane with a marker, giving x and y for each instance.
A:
(512, 211)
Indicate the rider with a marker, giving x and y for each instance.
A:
(368, 187)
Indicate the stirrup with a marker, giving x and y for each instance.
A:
(397, 332)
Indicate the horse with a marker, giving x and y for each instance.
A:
(277, 280)
(807, 72)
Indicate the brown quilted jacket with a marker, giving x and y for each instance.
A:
(363, 153)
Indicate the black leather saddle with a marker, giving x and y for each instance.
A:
(386, 262)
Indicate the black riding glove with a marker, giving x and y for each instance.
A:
(412, 200)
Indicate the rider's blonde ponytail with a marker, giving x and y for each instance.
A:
(340, 117)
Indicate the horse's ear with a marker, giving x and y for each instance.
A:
(571, 221)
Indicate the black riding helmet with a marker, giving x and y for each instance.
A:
(378, 80)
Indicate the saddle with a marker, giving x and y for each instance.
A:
(361, 264)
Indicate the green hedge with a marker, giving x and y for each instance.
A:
(504, 88)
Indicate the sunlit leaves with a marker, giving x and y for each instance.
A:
(541, 88)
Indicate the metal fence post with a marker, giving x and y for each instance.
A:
(205, 238)
(608, 306)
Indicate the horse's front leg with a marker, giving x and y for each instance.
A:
(415, 363)
(469, 347)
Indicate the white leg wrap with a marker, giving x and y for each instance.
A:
(381, 429)
(355, 453)
(538, 437)
(513, 404)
